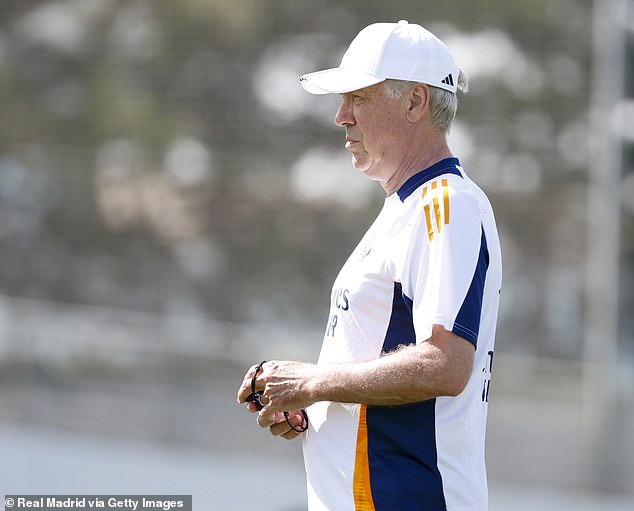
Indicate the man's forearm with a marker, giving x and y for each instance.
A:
(439, 367)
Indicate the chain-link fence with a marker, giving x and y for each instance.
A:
(166, 186)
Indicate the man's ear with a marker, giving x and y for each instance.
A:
(418, 102)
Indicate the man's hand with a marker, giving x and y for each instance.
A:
(440, 366)
(285, 385)
(279, 426)
(282, 384)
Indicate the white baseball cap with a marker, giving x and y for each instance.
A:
(401, 51)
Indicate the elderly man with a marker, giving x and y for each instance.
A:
(393, 415)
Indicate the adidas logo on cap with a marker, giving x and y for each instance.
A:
(448, 80)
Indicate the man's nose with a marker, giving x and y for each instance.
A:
(344, 116)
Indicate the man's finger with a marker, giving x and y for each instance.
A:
(288, 429)
(252, 407)
(270, 420)
(283, 430)
(290, 435)
(244, 390)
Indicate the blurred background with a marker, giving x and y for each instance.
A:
(174, 208)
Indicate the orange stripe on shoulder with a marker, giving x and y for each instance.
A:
(437, 217)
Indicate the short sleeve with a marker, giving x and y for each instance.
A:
(447, 278)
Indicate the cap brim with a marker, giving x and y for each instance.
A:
(337, 81)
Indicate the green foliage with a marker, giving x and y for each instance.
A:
(103, 91)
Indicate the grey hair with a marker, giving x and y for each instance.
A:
(443, 104)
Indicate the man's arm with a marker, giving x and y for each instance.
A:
(441, 366)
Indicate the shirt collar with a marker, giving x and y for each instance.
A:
(446, 166)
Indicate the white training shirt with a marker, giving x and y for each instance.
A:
(432, 256)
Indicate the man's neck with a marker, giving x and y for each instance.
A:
(423, 159)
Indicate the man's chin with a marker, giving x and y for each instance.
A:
(360, 164)
(367, 171)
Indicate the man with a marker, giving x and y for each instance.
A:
(396, 406)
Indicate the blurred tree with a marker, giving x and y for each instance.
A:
(148, 151)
